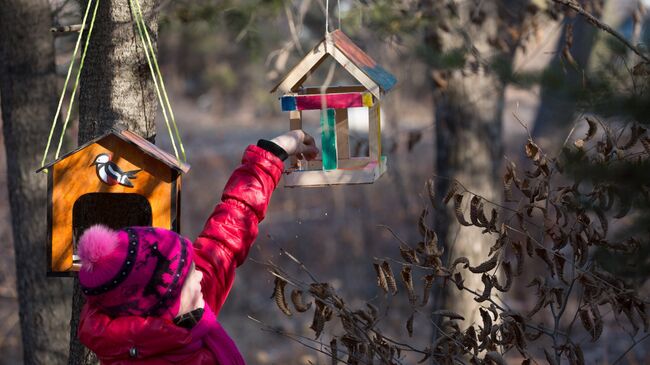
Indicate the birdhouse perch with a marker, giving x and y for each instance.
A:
(337, 166)
(119, 180)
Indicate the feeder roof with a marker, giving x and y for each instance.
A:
(130, 137)
(337, 45)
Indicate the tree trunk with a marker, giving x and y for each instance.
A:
(28, 87)
(116, 89)
(468, 105)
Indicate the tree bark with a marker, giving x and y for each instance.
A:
(28, 88)
(468, 107)
(116, 90)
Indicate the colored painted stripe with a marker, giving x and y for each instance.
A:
(328, 139)
(326, 101)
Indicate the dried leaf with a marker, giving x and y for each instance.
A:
(409, 325)
(452, 191)
(278, 295)
(487, 324)
(507, 272)
(587, 322)
(319, 319)
(475, 205)
(458, 210)
(458, 280)
(408, 254)
(485, 266)
(381, 278)
(449, 314)
(487, 290)
(426, 291)
(408, 283)
(593, 128)
(559, 261)
(532, 150)
(645, 141)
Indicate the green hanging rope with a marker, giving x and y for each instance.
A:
(76, 83)
(67, 79)
(143, 29)
(153, 67)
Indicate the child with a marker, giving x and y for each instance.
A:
(152, 297)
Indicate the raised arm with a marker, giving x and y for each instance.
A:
(228, 234)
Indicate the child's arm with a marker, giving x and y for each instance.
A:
(228, 234)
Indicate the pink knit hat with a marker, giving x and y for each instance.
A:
(134, 271)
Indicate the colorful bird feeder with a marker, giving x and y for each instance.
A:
(336, 165)
(119, 180)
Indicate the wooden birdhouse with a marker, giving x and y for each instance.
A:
(119, 180)
(336, 165)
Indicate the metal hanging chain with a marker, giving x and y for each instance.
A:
(67, 79)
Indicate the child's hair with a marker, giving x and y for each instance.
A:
(134, 271)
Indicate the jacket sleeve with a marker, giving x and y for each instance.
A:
(228, 234)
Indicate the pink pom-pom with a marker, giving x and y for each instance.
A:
(96, 243)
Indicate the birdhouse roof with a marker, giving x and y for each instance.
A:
(337, 45)
(132, 138)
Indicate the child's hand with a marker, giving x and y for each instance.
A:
(297, 143)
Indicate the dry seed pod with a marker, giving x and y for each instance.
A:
(460, 260)
(409, 325)
(593, 128)
(374, 312)
(278, 295)
(381, 278)
(474, 206)
(408, 282)
(458, 210)
(408, 254)
(390, 278)
(426, 291)
(296, 299)
(450, 194)
(507, 272)
(425, 231)
(449, 314)
(486, 266)
(487, 290)
(487, 324)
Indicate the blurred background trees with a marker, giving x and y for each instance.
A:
(465, 68)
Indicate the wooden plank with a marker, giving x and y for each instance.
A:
(333, 89)
(302, 70)
(351, 163)
(374, 132)
(295, 123)
(342, 134)
(354, 70)
(326, 101)
(316, 178)
(384, 79)
(328, 139)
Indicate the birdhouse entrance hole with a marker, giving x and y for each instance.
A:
(115, 210)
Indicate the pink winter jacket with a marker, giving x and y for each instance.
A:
(220, 248)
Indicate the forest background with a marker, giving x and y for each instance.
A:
(468, 104)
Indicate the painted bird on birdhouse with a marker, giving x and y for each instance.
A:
(111, 174)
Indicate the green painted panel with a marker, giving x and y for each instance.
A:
(328, 139)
